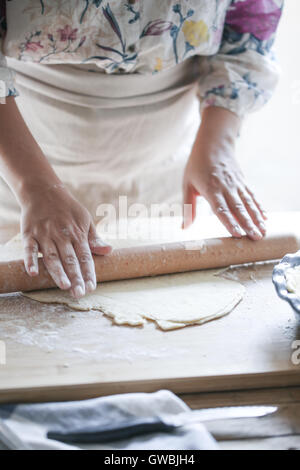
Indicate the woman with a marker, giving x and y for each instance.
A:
(107, 105)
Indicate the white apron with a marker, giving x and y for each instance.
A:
(108, 136)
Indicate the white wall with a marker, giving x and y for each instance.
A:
(269, 149)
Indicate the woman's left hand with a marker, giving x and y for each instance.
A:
(212, 172)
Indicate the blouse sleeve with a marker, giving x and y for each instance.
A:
(243, 74)
(7, 76)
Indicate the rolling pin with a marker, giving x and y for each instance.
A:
(154, 260)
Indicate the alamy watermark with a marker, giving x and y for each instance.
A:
(123, 221)
(2, 353)
(295, 357)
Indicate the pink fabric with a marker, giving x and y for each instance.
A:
(258, 17)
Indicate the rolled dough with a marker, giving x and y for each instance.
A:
(171, 301)
(292, 276)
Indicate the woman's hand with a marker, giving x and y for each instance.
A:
(56, 225)
(53, 222)
(212, 172)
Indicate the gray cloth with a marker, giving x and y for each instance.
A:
(41, 426)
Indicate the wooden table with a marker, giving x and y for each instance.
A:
(244, 358)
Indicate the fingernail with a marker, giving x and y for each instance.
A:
(78, 292)
(98, 242)
(66, 283)
(238, 231)
(90, 286)
(262, 227)
(102, 243)
(255, 233)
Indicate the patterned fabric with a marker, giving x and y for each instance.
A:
(233, 39)
(7, 77)
(100, 423)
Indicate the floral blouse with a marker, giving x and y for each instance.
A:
(232, 38)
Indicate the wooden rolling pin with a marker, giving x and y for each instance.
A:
(141, 261)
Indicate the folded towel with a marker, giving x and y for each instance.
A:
(117, 422)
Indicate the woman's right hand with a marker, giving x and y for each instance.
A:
(55, 224)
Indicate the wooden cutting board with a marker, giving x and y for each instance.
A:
(53, 353)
